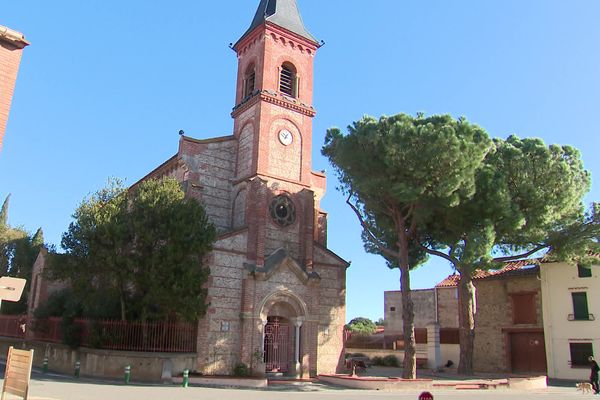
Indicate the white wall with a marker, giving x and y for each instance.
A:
(450, 352)
(559, 280)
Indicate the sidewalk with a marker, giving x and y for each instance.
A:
(59, 387)
(44, 389)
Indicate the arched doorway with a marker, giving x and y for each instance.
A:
(278, 352)
(282, 314)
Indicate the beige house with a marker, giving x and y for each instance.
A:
(436, 323)
(571, 301)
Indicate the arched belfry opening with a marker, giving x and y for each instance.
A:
(283, 315)
(288, 80)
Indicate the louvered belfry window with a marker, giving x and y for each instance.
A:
(287, 80)
(249, 81)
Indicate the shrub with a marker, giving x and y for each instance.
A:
(391, 361)
(359, 355)
(377, 360)
(241, 370)
(71, 332)
(361, 326)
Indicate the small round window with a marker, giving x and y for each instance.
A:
(283, 211)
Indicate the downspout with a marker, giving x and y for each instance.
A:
(435, 302)
(547, 322)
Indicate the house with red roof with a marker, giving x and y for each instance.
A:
(509, 325)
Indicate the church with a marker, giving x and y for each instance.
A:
(276, 292)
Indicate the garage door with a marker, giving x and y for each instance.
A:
(527, 352)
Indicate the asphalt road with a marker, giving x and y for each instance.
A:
(49, 387)
(58, 387)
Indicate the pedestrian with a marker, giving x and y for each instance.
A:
(594, 374)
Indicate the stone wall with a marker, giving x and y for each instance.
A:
(424, 308)
(219, 331)
(331, 316)
(447, 300)
(41, 287)
(495, 316)
(211, 165)
(145, 367)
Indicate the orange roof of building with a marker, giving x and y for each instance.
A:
(510, 269)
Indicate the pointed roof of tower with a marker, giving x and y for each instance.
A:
(283, 13)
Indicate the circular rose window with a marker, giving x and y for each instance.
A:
(283, 211)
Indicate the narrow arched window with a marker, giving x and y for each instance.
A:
(288, 80)
(249, 80)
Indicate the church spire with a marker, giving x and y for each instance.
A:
(283, 13)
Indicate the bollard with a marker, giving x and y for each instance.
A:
(127, 374)
(186, 378)
(45, 365)
(77, 369)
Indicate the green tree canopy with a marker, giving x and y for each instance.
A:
(528, 198)
(18, 251)
(439, 186)
(361, 326)
(144, 245)
(394, 172)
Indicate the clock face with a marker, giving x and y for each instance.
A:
(285, 137)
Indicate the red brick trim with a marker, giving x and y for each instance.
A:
(277, 99)
(211, 140)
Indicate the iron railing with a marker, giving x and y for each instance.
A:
(573, 317)
(108, 334)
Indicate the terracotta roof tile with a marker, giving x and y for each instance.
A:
(512, 268)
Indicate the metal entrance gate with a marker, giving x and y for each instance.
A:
(277, 349)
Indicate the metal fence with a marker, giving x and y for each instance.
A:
(10, 325)
(107, 334)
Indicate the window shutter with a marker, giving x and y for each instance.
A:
(580, 306)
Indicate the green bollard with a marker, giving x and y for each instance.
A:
(45, 365)
(127, 374)
(186, 378)
(77, 369)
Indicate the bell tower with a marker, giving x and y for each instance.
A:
(273, 115)
(273, 112)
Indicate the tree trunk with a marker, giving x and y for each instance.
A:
(466, 321)
(122, 297)
(408, 321)
(123, 312)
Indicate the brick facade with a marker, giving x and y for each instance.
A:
(11, 47)
(261, 270)
(264, 273)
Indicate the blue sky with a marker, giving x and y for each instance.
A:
(106, 85)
